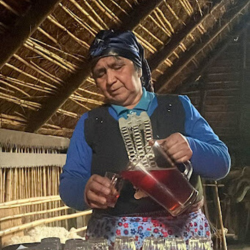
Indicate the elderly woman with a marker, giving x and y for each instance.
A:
(98, 145)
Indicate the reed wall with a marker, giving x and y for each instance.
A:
(30, 167)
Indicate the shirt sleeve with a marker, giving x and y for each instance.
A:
(210, 158)
(77, 169)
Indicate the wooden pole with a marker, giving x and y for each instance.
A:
(217, 199)
(27, 201)
(1, 184)
(11, 217)
(43, 221)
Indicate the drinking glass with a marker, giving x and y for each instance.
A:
(200, 243)
(170, 243)
(193, 243)
(124, 243)
(76, 244)
(116, 183)
(152, 243)
(180, 244)
(50, 243)
(97, 244)
(205, 243)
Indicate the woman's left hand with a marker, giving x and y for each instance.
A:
(177, 147)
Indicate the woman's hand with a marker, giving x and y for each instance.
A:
(96, 191)
(177, 147)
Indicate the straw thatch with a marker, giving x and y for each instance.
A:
(45, 83)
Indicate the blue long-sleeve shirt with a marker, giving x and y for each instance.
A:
(210, 157)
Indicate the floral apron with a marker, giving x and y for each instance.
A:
(185, 226)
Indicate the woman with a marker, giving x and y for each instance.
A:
(104, 140)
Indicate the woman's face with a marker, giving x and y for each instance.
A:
(118, 80)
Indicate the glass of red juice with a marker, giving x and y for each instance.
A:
(162, 181)
(116, 183)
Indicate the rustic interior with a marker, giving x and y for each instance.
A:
(197, 48)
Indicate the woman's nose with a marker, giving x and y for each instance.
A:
(111, 77)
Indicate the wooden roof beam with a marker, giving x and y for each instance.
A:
(166, 78)
(37, 119)
(27, 24)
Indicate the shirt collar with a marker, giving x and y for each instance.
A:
(141, 106)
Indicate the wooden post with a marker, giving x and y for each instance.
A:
(217, 199)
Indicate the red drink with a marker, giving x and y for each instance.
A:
(168, 187)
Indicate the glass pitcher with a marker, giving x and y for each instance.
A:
(156, 175)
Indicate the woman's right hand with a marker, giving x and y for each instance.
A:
(96, 190)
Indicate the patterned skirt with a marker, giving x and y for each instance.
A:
(185, 226)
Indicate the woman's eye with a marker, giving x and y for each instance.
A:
(99, 74)
(116, 67)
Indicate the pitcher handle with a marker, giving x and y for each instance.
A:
(188, 169)
(188, 166)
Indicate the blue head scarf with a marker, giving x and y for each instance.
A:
(124, 44)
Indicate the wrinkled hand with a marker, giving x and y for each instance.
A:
(177, 147)
(96, 191)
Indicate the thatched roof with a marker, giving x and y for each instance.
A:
(45, 82)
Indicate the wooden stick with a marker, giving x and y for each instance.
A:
(15, 185)
(166, 20)
(159, 26)
(37, 80)
(76, 39)
(52, 57)
(124, 11)
(4, 184)
(78, 20)
(86, 100)
(173, 12)
(15, 87)
(43, 221)
(150, 34)
(46, 75)
(21, 102)
(85, 13)
(107, 11)
(145, 43)
(8, 185)
(167, 31)
(80, 229)
(24, 184)
(8, 7)
(90, 92)
(51, 38)
(217, 198)
(96, 15)
(20, 202)
(12, 117)
(68, 113)
(185, 7)
(1, 182)
(79, 59)
(49, 184)
(33, 213)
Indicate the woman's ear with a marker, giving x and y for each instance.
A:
(139, 71)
